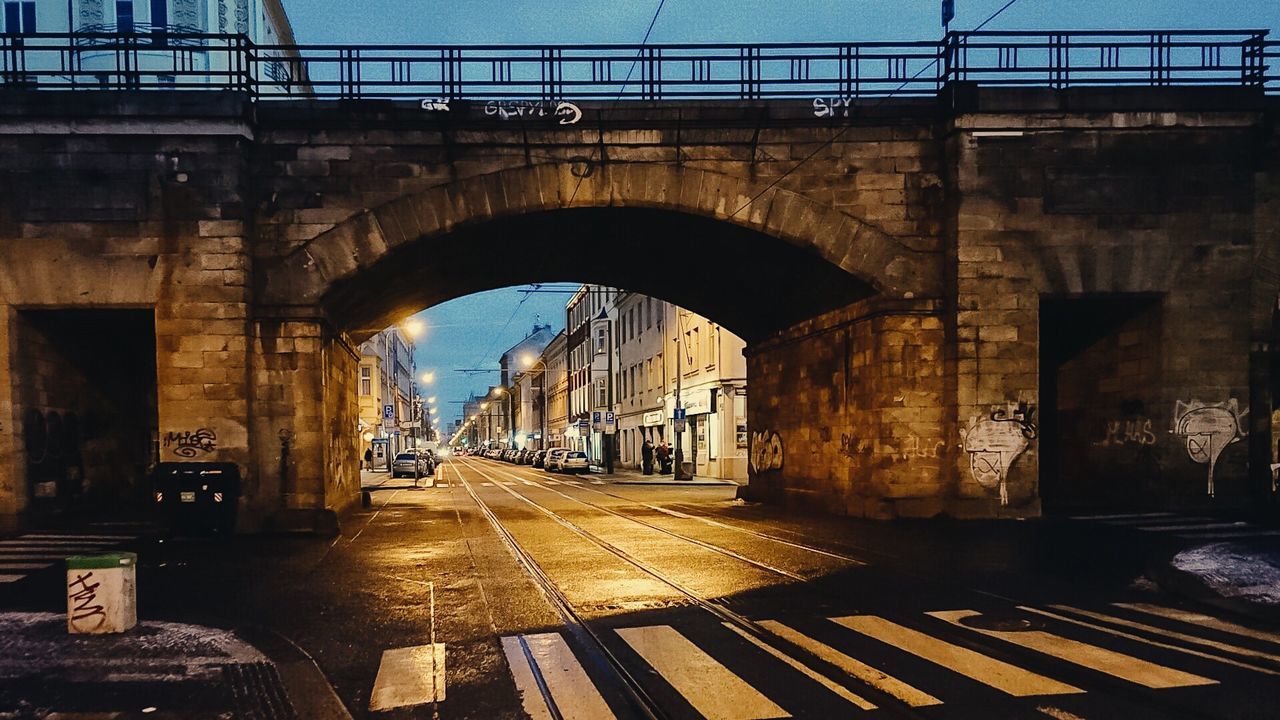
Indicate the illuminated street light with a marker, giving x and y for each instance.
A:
(428, 377)
(432, 401)
(414, 327)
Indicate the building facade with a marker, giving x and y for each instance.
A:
(592, 357)
(387, 393)
(555, 362)
(662, 348)
(160, 26)
(515, 405)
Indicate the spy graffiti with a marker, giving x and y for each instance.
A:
(1207, 429)
(766, 451)
(995, 441)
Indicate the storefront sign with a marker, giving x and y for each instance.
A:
(653, 418)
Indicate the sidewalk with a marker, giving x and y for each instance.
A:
(633, 477)
(157, 669)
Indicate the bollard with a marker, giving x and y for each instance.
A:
(102, 593)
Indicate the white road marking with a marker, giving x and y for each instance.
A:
(1204, 642)
(597, 482)
(572, 691)
(854, 667)
(1001, 675)
(1121, 516)
(1229, 535)
(1194, 618)
(795, 664)
(1148, 641)
(1164, 520)
(409, 676)
(6, 557)
(1057, 713)
(574, 482)
(10, 578)
(42, 536)
(707, 685)
(508, 484)
(1202, 526)
(24, 566)
(487, 484)
(1112, 663)
(51, 544)
(549, 481)
(530, 483)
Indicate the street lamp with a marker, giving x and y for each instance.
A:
(414, 327)
(511, 435)
(428, 377)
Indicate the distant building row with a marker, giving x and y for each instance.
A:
(628, 354)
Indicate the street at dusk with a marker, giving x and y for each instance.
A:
(584, 360)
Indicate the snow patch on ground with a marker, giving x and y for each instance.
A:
(32, 642)
(1234, 571)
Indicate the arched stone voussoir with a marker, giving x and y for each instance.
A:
(843, 240)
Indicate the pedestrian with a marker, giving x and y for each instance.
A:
(368, 458)
(646, 457)
(664, 458)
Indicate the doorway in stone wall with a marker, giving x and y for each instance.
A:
(1101, 409)
(88, 410)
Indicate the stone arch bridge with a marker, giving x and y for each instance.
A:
(977, 304)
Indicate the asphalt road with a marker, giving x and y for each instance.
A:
(571, 597)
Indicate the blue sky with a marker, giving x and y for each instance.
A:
(473, 331)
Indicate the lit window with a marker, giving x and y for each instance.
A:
(600, 340)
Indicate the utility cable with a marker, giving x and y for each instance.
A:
(932, 63)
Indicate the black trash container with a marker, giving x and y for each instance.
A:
(197, 498)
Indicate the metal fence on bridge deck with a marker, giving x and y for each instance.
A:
(171, 58)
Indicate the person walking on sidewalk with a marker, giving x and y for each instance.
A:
(664, 458)
(646, 457)
(368, 458)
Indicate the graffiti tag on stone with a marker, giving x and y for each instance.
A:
(831, 107)
(994, 442)
(435, 104)
(568, 112)
(1207, 429)
(1128, 432)
(766, 451)
(190, 443)
(83, 598)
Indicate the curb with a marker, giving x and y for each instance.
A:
(1190, 587)
(309, 691)
(679, 483)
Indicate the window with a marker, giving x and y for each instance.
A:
(600, 393)
(648, 313)
(124, 15)
(19, 16)
(600, 340)
(366, 381)
(159, 14)
(631, 322)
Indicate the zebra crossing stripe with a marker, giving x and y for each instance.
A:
(1203, 642)
(796, 665)
(1148, 641)
(711, 688)
(1199, 526)
(409, 676)
(1194, 618)
(550, 659)
(1165, 520)
(43, 536)
(597, 482)
(10, 578)
(1085, 655)
(855, 668)
(7, 557)
(1228, 535)
(1121, 516)
(1010, 679)
(24, 566)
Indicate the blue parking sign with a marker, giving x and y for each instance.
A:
(388, 411)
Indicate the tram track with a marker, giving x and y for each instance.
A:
(813, 666)
(749, 629)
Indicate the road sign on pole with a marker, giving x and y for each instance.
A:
(610, 422)
(388, 412)
(597, 421)
(678, 419)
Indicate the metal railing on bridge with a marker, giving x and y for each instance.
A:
(173, 58)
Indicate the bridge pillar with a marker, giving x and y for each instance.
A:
(12, 457)
(850, 412)
(305, 424)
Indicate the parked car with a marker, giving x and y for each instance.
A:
(554, 456)
(575, 462)
(527, 458)
(539, 459)
(405, 463)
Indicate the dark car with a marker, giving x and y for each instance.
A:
(539, 458)
(405, 462)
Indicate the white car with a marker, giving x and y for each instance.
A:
(554, 457)
(575, 463)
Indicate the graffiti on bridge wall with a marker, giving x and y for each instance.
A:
(191, 443)
(766, 451)
(995, 442)
(1128, 432)
(1207, 429)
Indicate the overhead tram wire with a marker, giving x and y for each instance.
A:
(845, 129)
(623, 90)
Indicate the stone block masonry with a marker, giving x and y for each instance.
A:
(912, 294)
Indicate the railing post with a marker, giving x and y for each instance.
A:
(1252, 60)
